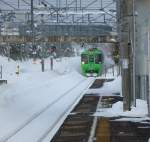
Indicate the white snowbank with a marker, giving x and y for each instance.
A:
(117, 110)
(140, 110)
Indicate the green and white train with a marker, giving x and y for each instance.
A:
(92, 62)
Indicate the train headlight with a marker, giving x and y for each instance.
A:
(88, 74)
(83, 63)
(94, 74)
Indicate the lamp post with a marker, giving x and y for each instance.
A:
(133, 58)
(124, 27)
(148, 68)
(32, 22)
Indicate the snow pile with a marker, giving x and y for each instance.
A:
(141, 110)
(117, 110)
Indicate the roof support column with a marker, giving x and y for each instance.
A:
(124, 22)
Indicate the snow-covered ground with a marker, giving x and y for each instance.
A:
(139, 111)
(32, 103)
(114, 88)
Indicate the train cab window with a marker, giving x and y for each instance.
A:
(98, 58)
(84, 58)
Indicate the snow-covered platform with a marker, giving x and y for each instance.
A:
(33, 102)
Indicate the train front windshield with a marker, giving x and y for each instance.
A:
(84, 58)
(98, 58)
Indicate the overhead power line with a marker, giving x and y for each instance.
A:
(26, 2)
(8, 4)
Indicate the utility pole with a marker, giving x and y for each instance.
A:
(125, 47)
(18, 3)
(133, 50)
(32, 22)
(66, 4)
(80, 5)
(76, 6)
(148, 68)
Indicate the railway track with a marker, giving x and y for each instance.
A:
(10, 137)
(77, 126)
(78, 122)
(81, 124)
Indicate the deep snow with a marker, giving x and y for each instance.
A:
(114, 88)
(26, 96)
(117, 110)
(28, 93)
